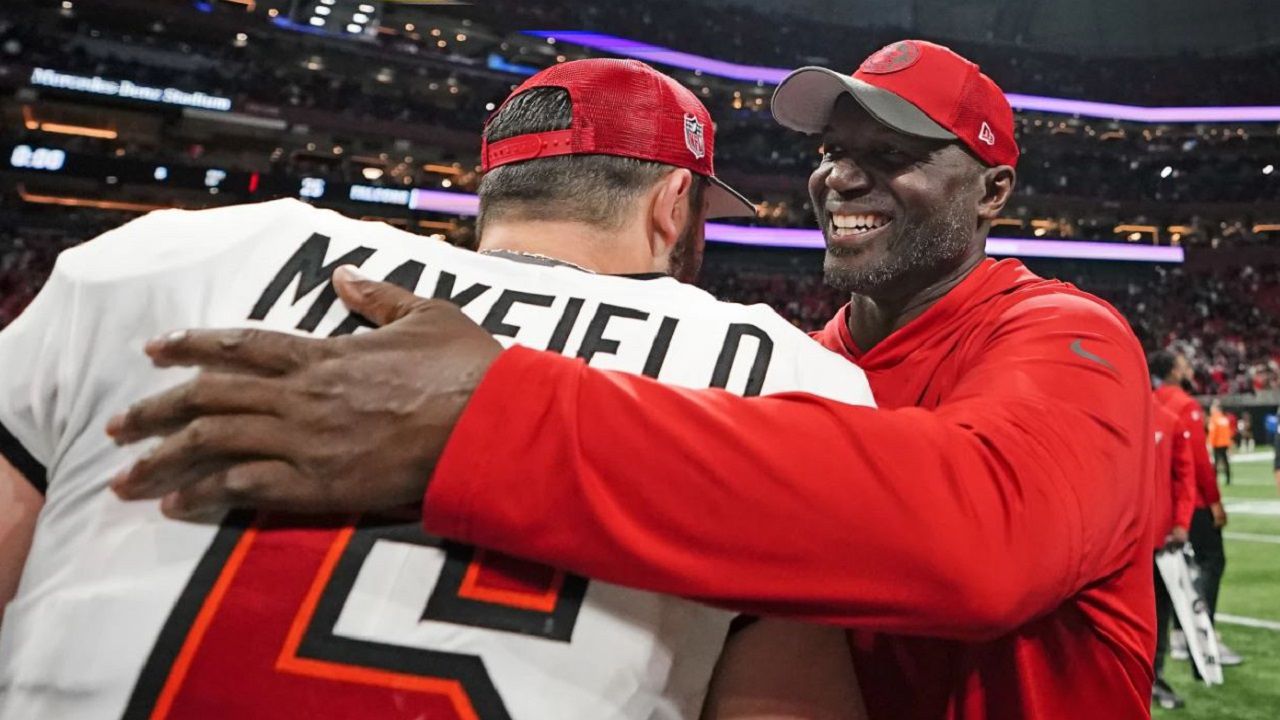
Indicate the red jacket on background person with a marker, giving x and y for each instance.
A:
(984, 535)
(1175, 492)
(1177, 401)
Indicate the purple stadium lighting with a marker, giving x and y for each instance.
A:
(1083, 250)
(772, 76)
(656, 55)
(449, 203)
(469, 205)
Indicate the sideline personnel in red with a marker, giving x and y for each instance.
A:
(1175, 499)
(1170, 370)
(985, 535)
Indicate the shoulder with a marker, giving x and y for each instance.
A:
(799, 361)
(1062, 305)
(1011, 295)
(1057, 314)
(1187, 405)
(695, 303)
(1168, 420)
(167, 239)
(1177, 401)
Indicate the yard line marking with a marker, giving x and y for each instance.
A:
(1252, 457)
(1247, 622)
(1254, 507)
(1252, 537)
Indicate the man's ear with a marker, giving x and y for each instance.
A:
(997, 188)
(670, 210)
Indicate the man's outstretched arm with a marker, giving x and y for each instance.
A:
(1030, 481)
(962, 522)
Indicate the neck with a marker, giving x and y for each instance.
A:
(872, 319)
(587, 247)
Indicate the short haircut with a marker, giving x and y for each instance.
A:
(1160, 363)
(591, 189)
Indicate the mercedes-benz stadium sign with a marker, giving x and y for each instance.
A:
(45, 77)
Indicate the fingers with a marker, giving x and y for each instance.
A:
(210, 393)
(244, 350)
(201, 502)
(206, 446)
(381, 303)
(262, 484)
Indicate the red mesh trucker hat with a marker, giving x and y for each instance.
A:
(626, 108)
(914, 87)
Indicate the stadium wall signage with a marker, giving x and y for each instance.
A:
(45, 77)
(374, 194)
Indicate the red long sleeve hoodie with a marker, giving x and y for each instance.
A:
(984, 534)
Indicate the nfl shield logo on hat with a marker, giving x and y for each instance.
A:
(892, 58)
(693, 136)
(985, 134)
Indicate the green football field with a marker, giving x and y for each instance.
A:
(1250, 590)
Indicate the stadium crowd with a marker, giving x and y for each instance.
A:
(274, 68)
(1225, 323)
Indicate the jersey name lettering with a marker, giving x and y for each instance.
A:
(547, 320)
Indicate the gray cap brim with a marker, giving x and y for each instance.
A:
(805, 99)
(723, 201)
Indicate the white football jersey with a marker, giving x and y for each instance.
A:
(121, 612)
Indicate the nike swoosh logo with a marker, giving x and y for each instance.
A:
(1078, 348)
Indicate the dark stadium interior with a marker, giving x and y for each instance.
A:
(399, 107)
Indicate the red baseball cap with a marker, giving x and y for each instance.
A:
(914, 87)
(625, 108)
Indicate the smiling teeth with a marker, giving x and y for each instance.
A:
(854, 224)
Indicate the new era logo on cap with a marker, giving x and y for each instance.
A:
(985, 134)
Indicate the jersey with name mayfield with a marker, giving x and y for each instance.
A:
(121, 612)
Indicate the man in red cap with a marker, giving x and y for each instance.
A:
(983, 534)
